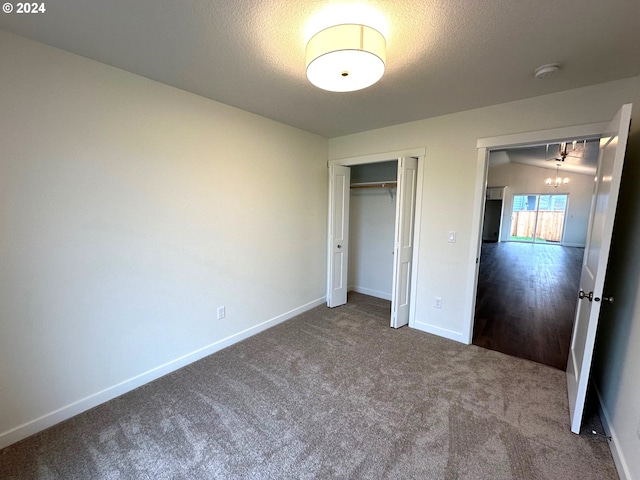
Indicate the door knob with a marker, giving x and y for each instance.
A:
(339, 246)
(588, 296)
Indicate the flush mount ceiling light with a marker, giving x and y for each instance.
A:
(347, 57)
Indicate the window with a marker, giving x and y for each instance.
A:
(538, 218)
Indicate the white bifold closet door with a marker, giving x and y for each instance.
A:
(403, 248)
(337, 272)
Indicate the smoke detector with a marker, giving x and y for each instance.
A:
(548, 70)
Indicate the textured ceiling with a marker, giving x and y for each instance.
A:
(443, 56)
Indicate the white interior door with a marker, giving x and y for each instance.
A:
(339, 194)
(594, 267)
(403, 251)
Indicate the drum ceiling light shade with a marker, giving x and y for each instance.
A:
(344, 58)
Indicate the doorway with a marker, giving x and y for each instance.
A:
(613, 137)
(372, 221)
(492, 215)
(527, 278)
(407, 205)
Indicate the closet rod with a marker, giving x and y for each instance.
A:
(375, 185)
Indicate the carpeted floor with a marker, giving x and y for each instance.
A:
(333, 393)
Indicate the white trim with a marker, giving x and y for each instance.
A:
(34, 426)
(618, 457)
(373, 293)
(439, 331)
(580, 245)
(482, 167)
(542, 137)
(413, 295)
(379, 157)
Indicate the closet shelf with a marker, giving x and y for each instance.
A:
(390, 184)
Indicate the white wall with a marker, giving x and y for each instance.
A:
(129, 211)
(371, 230)
(448, 204)
(522, 179)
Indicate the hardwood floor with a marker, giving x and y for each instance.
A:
(526, 300)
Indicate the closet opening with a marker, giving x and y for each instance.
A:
(371, 224)
(372, 217)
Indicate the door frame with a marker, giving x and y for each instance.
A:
(484, 146)
(420, 154)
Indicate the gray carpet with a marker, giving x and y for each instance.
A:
(333, 393)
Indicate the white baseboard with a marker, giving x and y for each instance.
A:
(34, 426)
(372, 293)
(618, 456)
(441, 332)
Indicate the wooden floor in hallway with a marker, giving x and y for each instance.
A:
(526, 300)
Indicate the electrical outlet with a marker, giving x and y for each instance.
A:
(221, 313)
(438, 302)
(452, 237)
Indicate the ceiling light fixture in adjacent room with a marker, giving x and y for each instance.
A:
(346, 57)
(558, 181)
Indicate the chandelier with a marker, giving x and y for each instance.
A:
(558, 180)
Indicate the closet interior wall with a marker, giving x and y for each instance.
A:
(371, 227)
